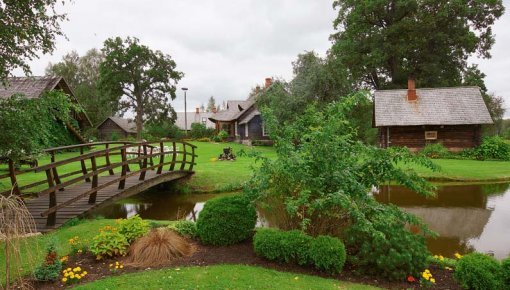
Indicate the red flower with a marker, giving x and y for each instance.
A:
(411, 279)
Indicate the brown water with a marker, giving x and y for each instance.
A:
(467, 217)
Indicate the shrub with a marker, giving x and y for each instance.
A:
(204, 139)
(158, 247)
(108, 243)
(327, 254)
(384, 247)
(281, 246)
(114, 136)
(186, 229)
(161, 129)
(221, 136)
(133, 227)
(199, 130)
(50, 269)
(436, 150)
(478, 271)
(262, 143)
(226, 220)
(505, 265)
(493, 147)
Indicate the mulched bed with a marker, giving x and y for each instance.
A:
(242, 254)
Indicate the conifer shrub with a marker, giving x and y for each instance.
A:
(226, 220)
(478, 271)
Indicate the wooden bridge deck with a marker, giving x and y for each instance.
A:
(104, 196)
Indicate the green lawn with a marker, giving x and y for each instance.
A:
(219, 277)
(467, 170)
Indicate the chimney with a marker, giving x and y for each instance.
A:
(214, 110)
(197, 110)
(411, 90)
(269, 81)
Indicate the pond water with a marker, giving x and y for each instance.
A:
(466, 217)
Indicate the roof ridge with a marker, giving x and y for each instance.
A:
(429, 89)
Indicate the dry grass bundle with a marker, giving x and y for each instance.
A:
(157, 248)
(16, 223)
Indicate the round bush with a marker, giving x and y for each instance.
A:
(275, 245)
(226, 220)
(327, 254)
(478, 271)
(505, 265)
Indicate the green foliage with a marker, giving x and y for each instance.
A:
(282, 246)
(27, 125)
(435, 151)
(114, 136)
(50, 269)
(327, 254)
(505, 266)
(28, 28)
(108, 243)
(493, 148)
(133, 227)
(442, 262)
(221, 136)
(478, 271)
(162, 129)
(199, 130)
(382, 42)
(147, 78)
(383, 246)
(186, 229)
(226, 220)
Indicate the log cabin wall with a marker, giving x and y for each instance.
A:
(455, 138)
(108, 128)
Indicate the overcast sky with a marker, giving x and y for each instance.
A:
(225, 48)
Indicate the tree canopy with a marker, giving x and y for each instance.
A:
(27, 27)
(211, 104)
(82, 75)
(144, 80)
(383, 42)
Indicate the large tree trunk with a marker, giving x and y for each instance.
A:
(139, 118)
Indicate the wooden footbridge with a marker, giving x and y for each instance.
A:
(93, 177)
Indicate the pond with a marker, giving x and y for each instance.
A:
(467, 217)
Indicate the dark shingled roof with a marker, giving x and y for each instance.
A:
(436, 106)
(127, 125)
(234, 110)
(31, 87)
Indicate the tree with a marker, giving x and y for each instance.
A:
(384, 42)
(28, 27)
(202, 108)
(82, 75)
(211, 104)
(142, 79)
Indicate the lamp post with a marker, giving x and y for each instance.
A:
(185, 113)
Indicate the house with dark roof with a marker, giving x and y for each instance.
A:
(193, 117)
(416, 117)
(116, 128)
(34, 87)
(242, 120)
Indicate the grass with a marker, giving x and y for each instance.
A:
(219, 277)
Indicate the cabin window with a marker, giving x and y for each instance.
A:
(204, 120)
(265, 131)
(430, 135)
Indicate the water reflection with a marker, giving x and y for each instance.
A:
(466, 217)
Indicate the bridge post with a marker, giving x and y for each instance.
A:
(192, 158)
(174, 156)
(55, 172)
(52, 217)
(14, 181)
(151, 162)
(92, 197)
(125, 167)
(107, 157)
(83, 166)
(143, 167)
(183, 164)
(161, 156)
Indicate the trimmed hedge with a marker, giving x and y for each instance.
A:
(226, 220)
(505, 265)
(479, 272)
(325, 253)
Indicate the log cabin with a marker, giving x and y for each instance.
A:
(416, 117)
(116, 128)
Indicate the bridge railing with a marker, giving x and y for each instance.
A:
(116, 156)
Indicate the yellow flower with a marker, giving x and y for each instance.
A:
(441, 258)
(116, 267)
(68, 269)
(111, 265)
(72, 276)
(64, 280)
(458, 256)
(66, 274)
(432, 280)
(121, 266)
(84, 273)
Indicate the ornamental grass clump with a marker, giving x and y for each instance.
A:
(226, 220)
(160, 246)
(479, 272)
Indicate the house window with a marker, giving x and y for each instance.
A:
(265, 131)
(204, 120)
(430, 135)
